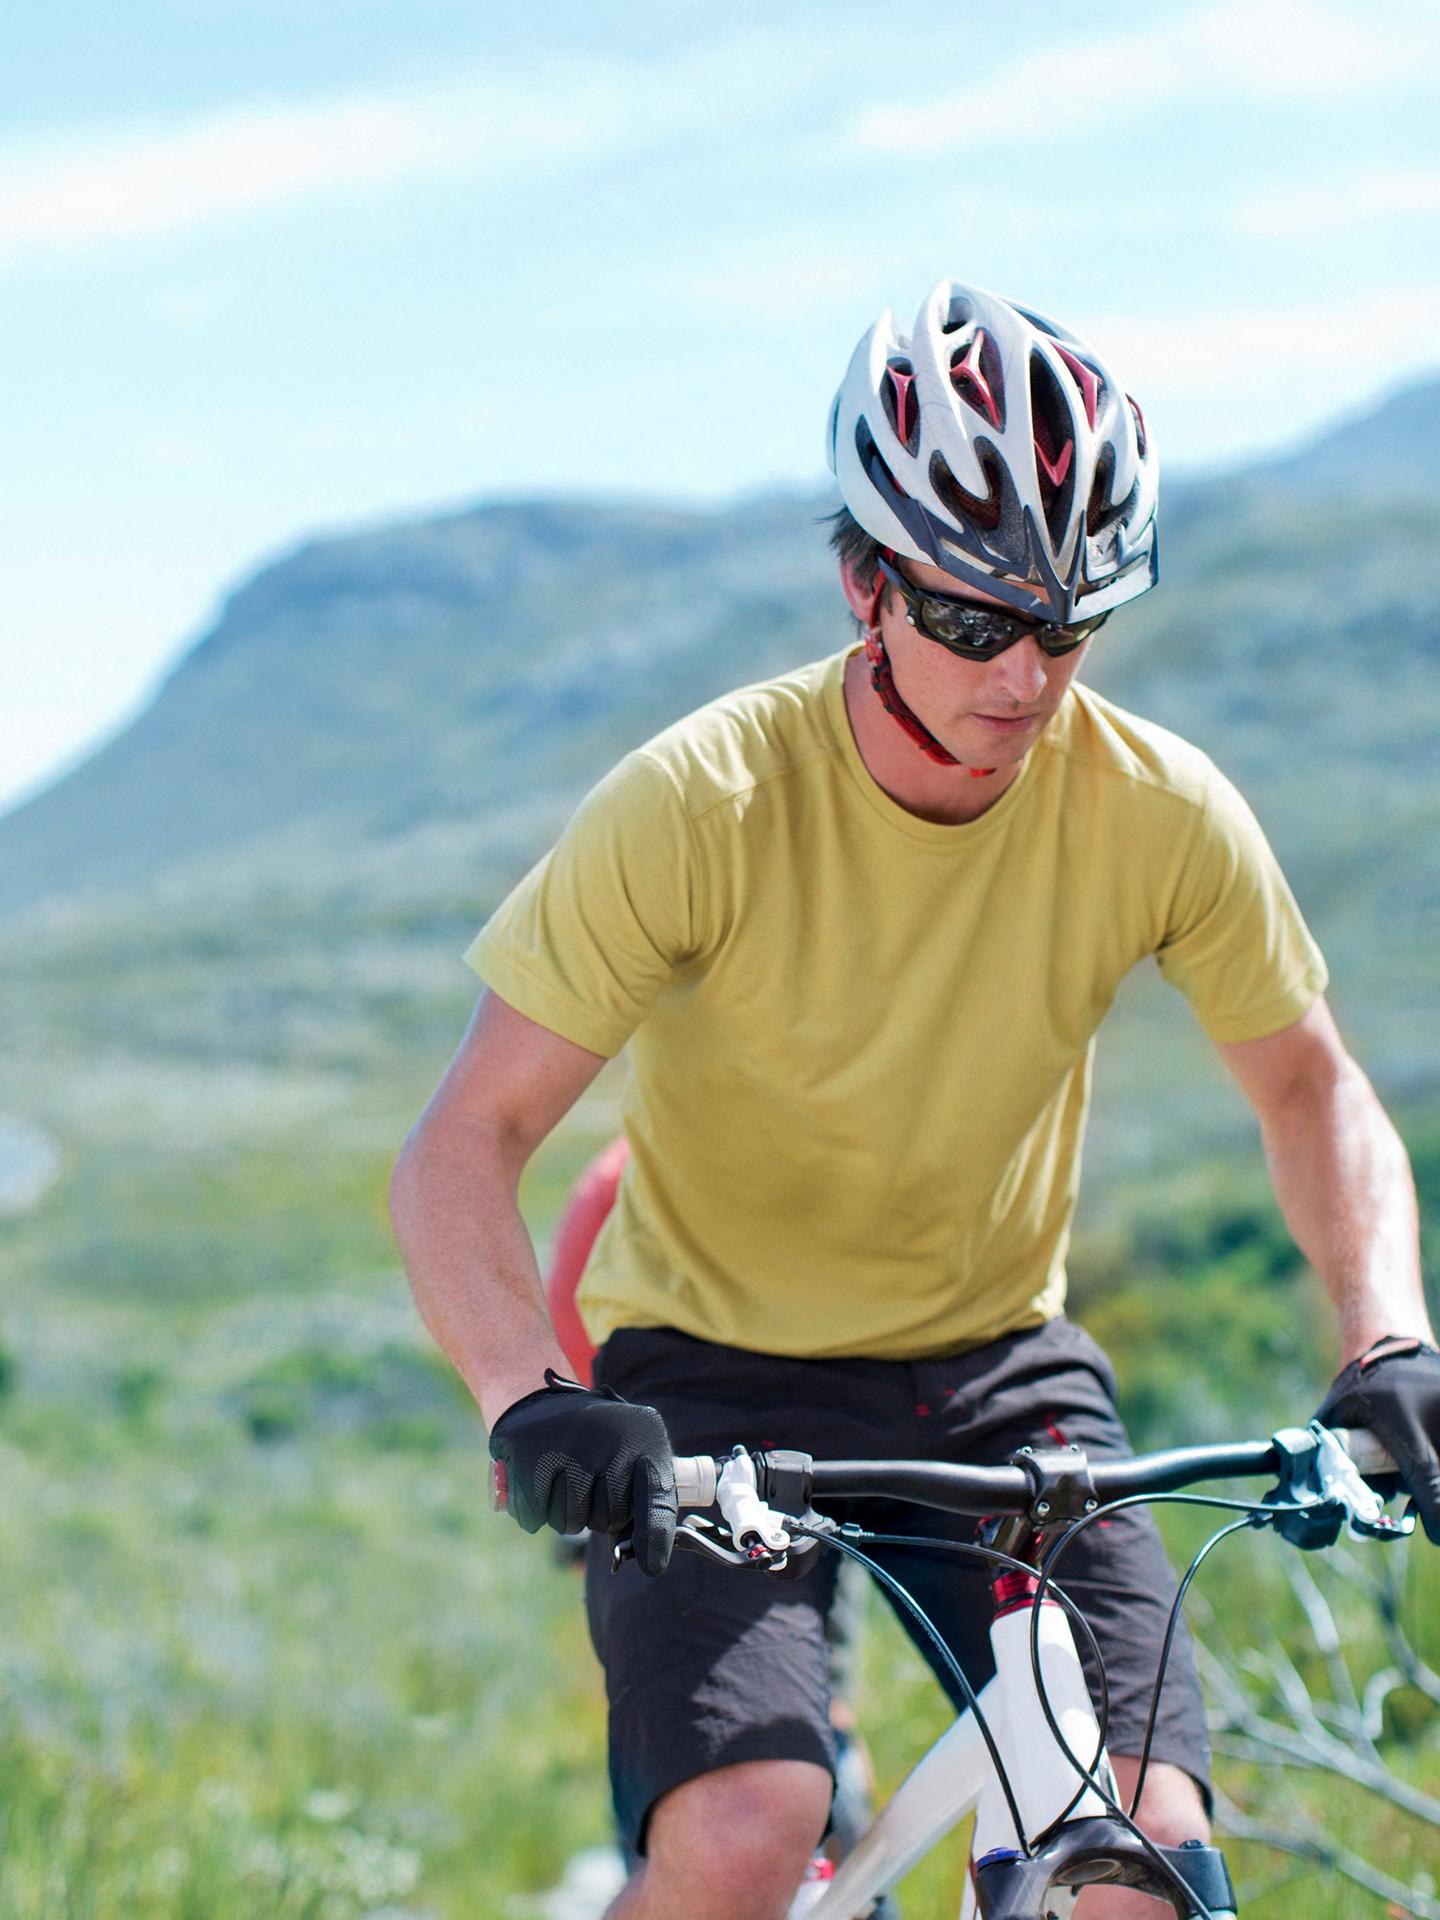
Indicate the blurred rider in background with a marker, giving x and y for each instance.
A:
(858, 927)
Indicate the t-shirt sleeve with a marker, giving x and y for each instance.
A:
(1235, 943)
(591, 935)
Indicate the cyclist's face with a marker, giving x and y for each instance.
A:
(988, 712)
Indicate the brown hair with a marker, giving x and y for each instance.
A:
(853, 547)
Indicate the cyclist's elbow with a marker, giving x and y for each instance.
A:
(442, 1162)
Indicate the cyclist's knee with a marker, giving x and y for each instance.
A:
(735, 1842)
(1171, 1809)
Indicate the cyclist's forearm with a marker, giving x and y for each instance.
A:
(1342, 1177)
(472, 1266)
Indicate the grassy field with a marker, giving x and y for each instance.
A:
(268, 1654)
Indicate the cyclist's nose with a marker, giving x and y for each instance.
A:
(1019, 673)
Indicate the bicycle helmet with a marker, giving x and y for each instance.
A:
(997, 446)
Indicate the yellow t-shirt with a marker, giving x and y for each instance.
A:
(861, 1041)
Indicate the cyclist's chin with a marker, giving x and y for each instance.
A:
(994, 743)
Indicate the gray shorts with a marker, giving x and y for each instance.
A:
(709, 1666)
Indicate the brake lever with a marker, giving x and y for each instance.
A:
(1339, 1478)
(1318, 1476)
(699, 1535)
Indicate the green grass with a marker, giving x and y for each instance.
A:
(294, 1677)
(267, 1653)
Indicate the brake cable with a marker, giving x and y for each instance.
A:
(1224, 1533)
(1254, 1511)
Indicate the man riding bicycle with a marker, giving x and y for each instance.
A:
(859, 926)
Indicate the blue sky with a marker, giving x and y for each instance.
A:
(269, 266)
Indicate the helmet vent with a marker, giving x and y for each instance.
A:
(1054, 446)
(873, 461)
(959, 313)
(1086, 378)
(1098, 510)
(1139, 425)
(977, 376)
(1038, 321)
(982, 513)
(902, 409)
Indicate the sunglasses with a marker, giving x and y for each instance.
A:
(980, 633)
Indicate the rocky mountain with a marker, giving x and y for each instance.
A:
(460, 670)
(1389, 452)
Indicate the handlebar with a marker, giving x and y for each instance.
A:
(1314, 1469)
(996, 1491)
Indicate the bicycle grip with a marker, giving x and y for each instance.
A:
(695, 1482)
(1364, 1449)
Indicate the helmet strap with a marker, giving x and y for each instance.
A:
(865, 605)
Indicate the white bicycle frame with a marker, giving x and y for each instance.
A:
(957, 1775)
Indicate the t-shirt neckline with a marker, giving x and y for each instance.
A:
(936, 833)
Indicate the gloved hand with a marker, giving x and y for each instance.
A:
(1394, 1390)
(576, 1458)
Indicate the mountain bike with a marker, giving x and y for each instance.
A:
(1028, 1756)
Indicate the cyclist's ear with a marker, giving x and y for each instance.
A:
(864, 602)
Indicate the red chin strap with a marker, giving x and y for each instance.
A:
(865, 605)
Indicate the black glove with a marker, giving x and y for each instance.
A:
(577, 1459)
(1394, 1390)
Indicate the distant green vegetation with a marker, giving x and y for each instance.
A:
(1208, 1309)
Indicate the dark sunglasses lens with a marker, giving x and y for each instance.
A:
(979, 633)
(971, 630)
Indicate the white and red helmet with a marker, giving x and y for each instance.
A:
(995, 445)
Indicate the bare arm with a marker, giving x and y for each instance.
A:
(1341, 1175)
(454, 1204)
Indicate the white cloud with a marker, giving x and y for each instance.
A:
(1059, 91)
(1403, 193)
(1242, 348)
(126, 183)
(1299, 49)
(1233, 380)
(1235, 49)
(781, 285)
(129, 182)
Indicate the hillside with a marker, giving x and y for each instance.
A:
(481, 668)
(456, 670)
(1388, 453)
